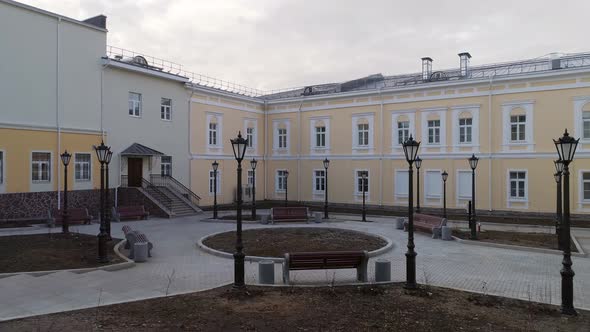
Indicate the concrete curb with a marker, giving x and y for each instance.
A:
(580, 252)
(223, 254)
(113, 267)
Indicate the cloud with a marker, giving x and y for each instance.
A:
(272, 44)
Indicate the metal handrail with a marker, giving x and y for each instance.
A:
(164, 199)
(173, 184)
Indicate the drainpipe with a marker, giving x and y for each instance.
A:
(190, 150)
(490, 180)
(299, 151)
(264, 150)
(382, 142)
(57, 118)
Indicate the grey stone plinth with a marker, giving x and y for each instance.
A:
(264, 219)
(382, 270)
(399, 223)
(436, 233)
(447, 233)
(317, 217)
(140, 252)
(266, 272)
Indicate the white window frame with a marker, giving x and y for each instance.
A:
(320, 136)
(581, 186)
(363, 134)
(218, 119)
(357, 178)
(321, 178)
(402, 132)
(213, 137)
(511, 199)
(400, 194)
(277, 176)
(37, 186)
(313, 124)
(356, 118)
(250, 178)
(40, 167)
(433, 132)
(427, 193)
(82, 163)
(210, 182)
(136, 110)
(579, 103)
(252, 124)
(458, 195)
(275, 142)
(507, 108)
(520, 127)
(441, 114)
(283, 137)
(466, 131)
(250, 133)
(473, 110)
(165, 110)
(2, 170)
(162, 164)
(395, 116)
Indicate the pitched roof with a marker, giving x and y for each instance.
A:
(137, 149)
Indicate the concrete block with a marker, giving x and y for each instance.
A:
(447, 233)
(266, 272)
(140, 252)
(382, 270)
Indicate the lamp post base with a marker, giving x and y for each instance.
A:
(102, 248)
(239, 271)
(411, 270)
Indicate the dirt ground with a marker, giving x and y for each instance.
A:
(348, 308)
(275, 242)
(42, 252)
(536, 240)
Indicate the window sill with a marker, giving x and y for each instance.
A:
(41, 181)
(518, 200)
(166, 120)
(433, 196)
(135, 116)
(82, 181)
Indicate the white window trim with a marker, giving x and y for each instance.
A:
(360, 193)
(370, 117)
(314, 177)
(395, 115)
(219, 186)
(509, 199)
(140, 104)
(582, 203)
(428, 196)
(396, 194)
(82, 184)
(456, 112)
(3, 170)
(277, 190)
(442, 114)
(275, 137)
(313, 148)
(214, 148)
(458, 197)
(37, 186)
(254, 148)
(507, 108)
(171, 105)
(579, 103)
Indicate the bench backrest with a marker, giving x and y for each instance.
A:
(428, 219)
(131, 209)
(325, 260)
(73, 213)
(290, 211)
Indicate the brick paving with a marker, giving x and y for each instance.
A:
(178, 266)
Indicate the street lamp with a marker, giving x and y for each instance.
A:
(286, 187)
(101, 153)
(364, 184)
(559, 213)
(65, 159)
(411, 151)
(239, 145)
(473, 160)
(253, 164)
(106, 194)
(445, 175)
(566, 148)
(215, 165)
(326, 165)
(418, 163)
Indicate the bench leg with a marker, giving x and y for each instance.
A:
(150, 246)
(285, 274)
(362, 271)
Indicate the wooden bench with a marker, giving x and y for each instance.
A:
(130, 212)
(426, 223)
(327, 260)
(75, 216)
(289, 214)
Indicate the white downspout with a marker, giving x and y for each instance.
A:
(490, 146)
(382, 142)
(299, 152)
(190, 150)
(264, 150)
(57, 118)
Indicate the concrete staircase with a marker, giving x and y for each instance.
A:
(180, 205)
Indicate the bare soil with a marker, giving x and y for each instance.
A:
(42, 252)
(535, 240)
(275, 242)
(349, 308)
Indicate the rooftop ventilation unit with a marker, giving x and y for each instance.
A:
(139, 60)
(426, 68)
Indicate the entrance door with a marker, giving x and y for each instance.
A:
(134, 171)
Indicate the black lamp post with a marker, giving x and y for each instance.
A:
(326, 165)
(364, 184)
(566, 148)
(65, 159)
(411, 151)
(253, 164)
(239, 145)
(558, 212)
(445, 175)
(418, 163)
(101, 152)
(473, 160)
(106, 194)
(215, 165)
(286, 187)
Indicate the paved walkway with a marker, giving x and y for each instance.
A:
(179, 267)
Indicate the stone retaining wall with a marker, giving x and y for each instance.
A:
(132, 196)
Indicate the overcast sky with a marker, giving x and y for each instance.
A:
(271, 44)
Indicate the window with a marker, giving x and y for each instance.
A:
(82, 166)
(250, 136)
(433, 131)
(281, 184)
(166, 109)
(464, 184)
(250, 178)
(134, 104)
(586, 124)
(401, 183)
(517, 128)
(282, 138)
(432, 184)
(212, 182)
(212, 133)
(586, 185)
(1, 167)
(363, 134)
(360, 183)
(319, 181)
(41, 167)
(403, 132)
(166, 166)
(518, 185)
(465, 130)
(320, 137)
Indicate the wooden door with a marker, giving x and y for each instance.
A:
(134, 171)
